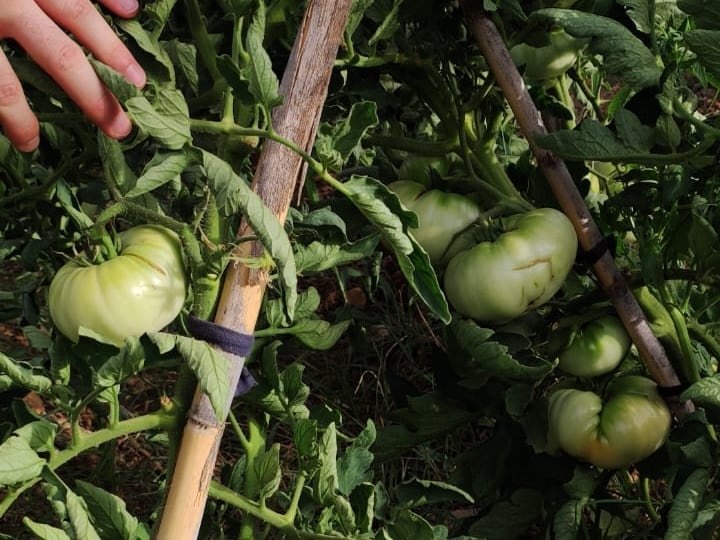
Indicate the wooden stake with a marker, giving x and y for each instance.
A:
(611, 280)
(304, 88)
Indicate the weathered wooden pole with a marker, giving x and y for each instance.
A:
(304, 89)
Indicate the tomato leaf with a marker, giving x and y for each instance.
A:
(108, 512)
(79, 518)
(115, 167)
(407, 524)
(568, 519)
(263, 83)
(706, 45)
(40, 435)
(592, 140)
(510, 518)
(128, 361)
(417, 492)
(319, 256)
(233, 193)
(265, 473)
(425, 418)
(382, 208)
(23, 376)
(705, 392)
(18, 461)
(355, 465)
(163, 168)
(326, 482)
(488, 358)
(706, 14)
(115, 81)
(336, 143)
(184, 57)
(44, 531)
(624, 55)
(686, 505)
(210, 366)
(150, 44)
(167, 119)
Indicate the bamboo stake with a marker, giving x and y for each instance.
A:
(304, 87)
(570, 200)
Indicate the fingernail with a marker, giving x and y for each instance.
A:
(129, 5)
(120, 127)
(29, 146)
(135, 74)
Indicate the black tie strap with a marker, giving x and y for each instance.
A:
(672, 391)
(226, 340)
(593, 255)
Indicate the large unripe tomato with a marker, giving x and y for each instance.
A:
(141, 290)
(441, 217)
(631, 424)
(596, 348)
(548, 61)
(521, 270)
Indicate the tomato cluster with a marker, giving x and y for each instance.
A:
(491, 281)
(141, 290)
(617, 427)
(521, 269)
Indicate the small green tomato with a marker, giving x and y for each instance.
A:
(442, 217)
(596, 348)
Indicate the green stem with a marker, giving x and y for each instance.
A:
(689, 364)
(201, 39)
(686, 115)
(272, 518)
(414, 146)
(649, 506)
(703, 335)
(162, 420)
(647, 159)
(32, 192)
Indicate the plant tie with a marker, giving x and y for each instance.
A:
(229, 341)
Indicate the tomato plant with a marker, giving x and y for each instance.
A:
(595, 348)
(442, 218)
(141, 290)
(521, 270)
(631, 423)
(447, 409)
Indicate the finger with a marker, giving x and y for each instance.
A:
(123, 8)
(87, 24)
(65, 61)
(17, 120)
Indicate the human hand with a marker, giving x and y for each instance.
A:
(39, 27)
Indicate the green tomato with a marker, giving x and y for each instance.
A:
(141, 290)
(442, 217)
(632, 424)
(596, 348)
(548, 61)
(521, 270)
(420, 168)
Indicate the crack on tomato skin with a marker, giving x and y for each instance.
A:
(152, 264)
